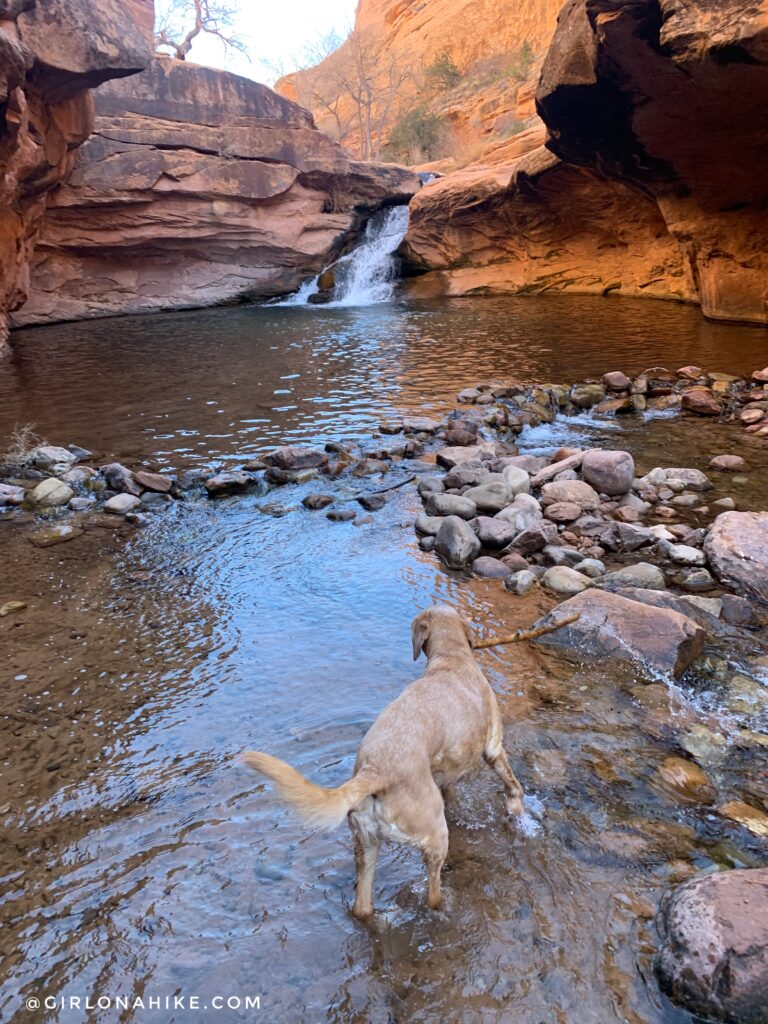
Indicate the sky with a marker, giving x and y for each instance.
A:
(274, 33)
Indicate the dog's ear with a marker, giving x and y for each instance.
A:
(419, 634)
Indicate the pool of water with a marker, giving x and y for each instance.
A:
(141, 860)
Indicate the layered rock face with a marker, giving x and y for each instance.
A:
(652, 180)
(51, 55)
(197, 187)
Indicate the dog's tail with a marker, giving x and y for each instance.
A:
(317, 806)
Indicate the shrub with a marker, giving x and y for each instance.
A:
(416, 136)
(443, 72)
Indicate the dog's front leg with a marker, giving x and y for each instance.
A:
(501, 766)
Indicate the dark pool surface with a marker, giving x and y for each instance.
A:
(140, 860)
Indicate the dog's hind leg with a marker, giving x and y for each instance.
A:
(366, 855)
(495, 756)
(435, 851)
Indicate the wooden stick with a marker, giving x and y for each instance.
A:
(525, 634)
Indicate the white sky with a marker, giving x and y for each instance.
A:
(275, 34)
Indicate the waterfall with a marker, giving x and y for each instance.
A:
(368, 274)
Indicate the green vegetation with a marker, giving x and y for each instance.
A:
(416, 136)
(443, 73)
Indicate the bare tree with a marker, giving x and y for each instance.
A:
(180, 22)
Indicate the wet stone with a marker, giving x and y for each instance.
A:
(491, 568)
(340, 515)
(372, 502)
(57, 534)
(314, 502)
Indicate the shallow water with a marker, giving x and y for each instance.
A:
(140, 859)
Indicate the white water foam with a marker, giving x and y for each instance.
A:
(368, 274)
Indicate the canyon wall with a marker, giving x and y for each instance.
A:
(197, 187)
(651, 179)
(52, 54)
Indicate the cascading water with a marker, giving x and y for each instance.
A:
(368, 274)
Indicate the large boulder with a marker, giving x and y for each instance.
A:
(713, 959)
(198, 187)
(611, 626)
(737, 550)
(455, 543)
(609, 472)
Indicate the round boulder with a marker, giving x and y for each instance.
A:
(713, 958)
(737, 551)
(455, 543)
(609, 472)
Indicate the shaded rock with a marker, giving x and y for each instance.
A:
(51, 492)
(491, 497)
(491, 568)
(701, 401)
(562, 555)
(316, 502)
(642, 575)
(515, 561)
(47, 456)
(534, 538)
(616, 381)
(737, 611)
(494, 533)
(340, 515)
(224, 484)
(737, 550)
(121, 504)
(612, 626)
(713, 958)
(428, 525)
(455, 543)
(561, 579)
(437, 504)
(429, 483)
(427, 543)
(584, 396)
(460, 438)
(372, 502)
(591, 567)
(293, 458)
(10, 494)
(609, 472)
(119, 478)
(698, 581)
(419, 425)
(521, 582)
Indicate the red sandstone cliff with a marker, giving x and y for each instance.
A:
(197, 187)
(51, 55)
(653, 177)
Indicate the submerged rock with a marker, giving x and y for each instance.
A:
(713, 959)
(612, 626)
(314, 502)
(685, 781)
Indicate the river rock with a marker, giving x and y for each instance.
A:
(737, 550)
(515, 561)
(698, 581)
(292, 458)
(341, 515)
(609, 472)
(57, 534)
(420, 425)
(48, 455)
(460, 438)
(224, 484)
(561, 579)
(563, 512)
(584, 396)
(643, 575)
(534, 537)
(728, 463)
(701, 401)
(450, 457)
(455, 543)
(517, 479)
(521, 582)
(563, 554)
(437, 504)
(120, 478)
(490, 497)
(591, 567)
(157, 482)
(372, 502)
(10, 494)
(316, 502)
(556, 468)
(713, 958)
(685, 781)
(428, 525)
(612, 626)
(51, 492)
(737, 611)
(121, 504)
(681, 554)
(573, 491)
(616, 381)
(491, 568)
(752, 818)
(493, 532)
